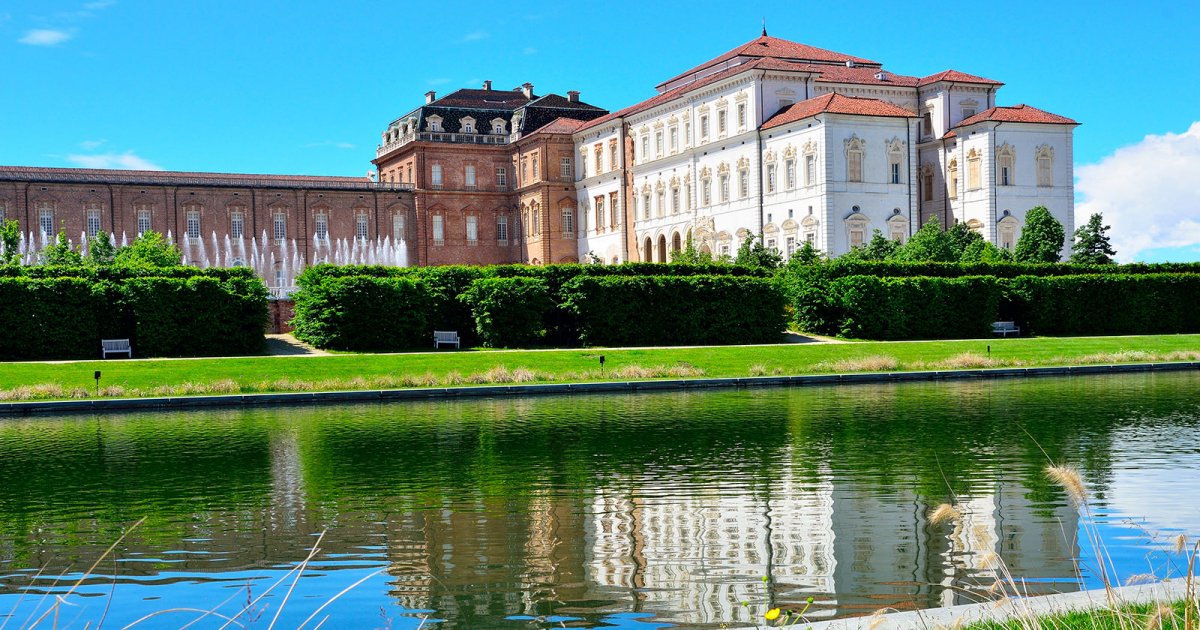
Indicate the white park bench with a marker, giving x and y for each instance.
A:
(445, 337)
(115, 346)
(1004, 329)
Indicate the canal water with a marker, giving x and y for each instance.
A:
(675, 509)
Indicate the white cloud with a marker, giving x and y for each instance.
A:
(124, 161)
(45, 37)
(529, 50)
(1147, 192)
(474, 36)
(329, 143)
(92, 145)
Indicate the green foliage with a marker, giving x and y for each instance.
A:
(808, 254)
(916, 308)
(1092, 245)
(50, 318)
(197, 316)
(690, 255)
(929, 244)
(1108, 304)
(1041, 238)
(101, 251)
(61, 252)
(753, 253)
(364, 313)
(509, 312)
(10, 242)
(150, 249)
(675, 310)
(879, 247)
(981, 251)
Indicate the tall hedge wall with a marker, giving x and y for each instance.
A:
(50, 318)
(1108, 304)
(364, 313)
(916, 308)
(198, 316)
(675, 310)
(509, 312)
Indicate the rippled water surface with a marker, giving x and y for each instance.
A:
(631, 511)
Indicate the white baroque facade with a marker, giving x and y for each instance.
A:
(803, 144)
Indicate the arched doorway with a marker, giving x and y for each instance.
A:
(676, 243)
(647, 251)
(662, 248)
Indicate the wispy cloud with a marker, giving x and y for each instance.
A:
(529, 50)
(329, 143)
(475, 36)
(45, 37)
(1147, 192)
(124, 161)
(91, 145)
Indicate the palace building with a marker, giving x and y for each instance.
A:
(774, 137)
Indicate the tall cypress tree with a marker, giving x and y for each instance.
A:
(1092, 246)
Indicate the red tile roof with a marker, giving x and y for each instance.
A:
(776, 48)
(1017, 113)
(834, 103)
(562, 125)
(182, 178)
(826, 74)
(955, 76)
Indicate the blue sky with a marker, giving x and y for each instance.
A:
(306, 87)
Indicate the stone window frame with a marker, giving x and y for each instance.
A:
(974, 169)
(502, 229)
(567, 215)
(143, 210)
(895, 157)
(858, 224)
(362, 225)
(1006, 165)
(952, 178)
(856, 149)
(93, 212)
(237, 214)
(1044, 158)
(45, 215)
(438, 231)
(471, 229)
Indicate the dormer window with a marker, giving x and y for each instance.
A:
(498, 126)
(434, 123)
(466, 124)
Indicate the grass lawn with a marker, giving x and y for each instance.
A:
(373, 371)
(1137, 617)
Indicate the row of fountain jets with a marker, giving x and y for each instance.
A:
(277, 262)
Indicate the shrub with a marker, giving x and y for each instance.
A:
(50, 318)
(198, 316)
(675, 310)
(916, 308)
(363, 313)
(509, 312)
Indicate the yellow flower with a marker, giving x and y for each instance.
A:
(772, 614)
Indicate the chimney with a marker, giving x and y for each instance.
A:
(527, 90)
(430, 96)
(573, 96)
(487, 85)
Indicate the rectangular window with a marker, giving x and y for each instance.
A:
(810, 170)
(193, 224)
(439, 230)
(645, 148)
(953, 183)
(646, 205)
(93, 222)
(599, 209)
(721, 122)
(968, 112)
(674, 139)
(612, 154)
(744, 184)
(436, 175)
(789, 174)
(534, 162)
(143, 220)
(927, 124)
(662, 203)
(501, 178)
(658, 143)
(469, 176)
(564, 169)
(280, 225)
(927, 185)
(360, 227)
(674, 201)
(397, 228)
(704, 127)
(568, 221)
(502, 230)
(46, 221)
(321, 227)
(598, 156)
(791, 246)
(741, 116)
(706, 193)
(472, 229)
(895, 173)
(770, 178)
(724, 182)
(1045, 165)
(1004, 176)
(854, 166)
(614, 210)
(237, 223)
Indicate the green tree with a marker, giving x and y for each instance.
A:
(149, 250)
(10, 242)
(690, 255)
(981, 251)
(101, 251)
(1041, 239)
(754, 253)
(961, 237)
(929, 244)
(61, 252)
(879, 247)
(1092, 246)
(808, 254)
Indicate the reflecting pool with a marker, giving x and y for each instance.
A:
(631, 511)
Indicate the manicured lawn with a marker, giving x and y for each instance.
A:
(360, 371)
(1123, 618)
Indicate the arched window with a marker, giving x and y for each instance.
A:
(676, 242)
(723, 183)
(1005, 162)
(662, 248)
(647, 250)
(1045, 165)
(855, 148)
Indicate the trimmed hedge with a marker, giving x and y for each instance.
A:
(509, 312)
(363, 313)
(198, 316)
(50, 318)
(675, 310)
(916, 308)
(1108, 304)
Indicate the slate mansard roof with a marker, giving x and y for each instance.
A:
(486, 105)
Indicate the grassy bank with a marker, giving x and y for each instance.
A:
(1142, 616)
(23, 381)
